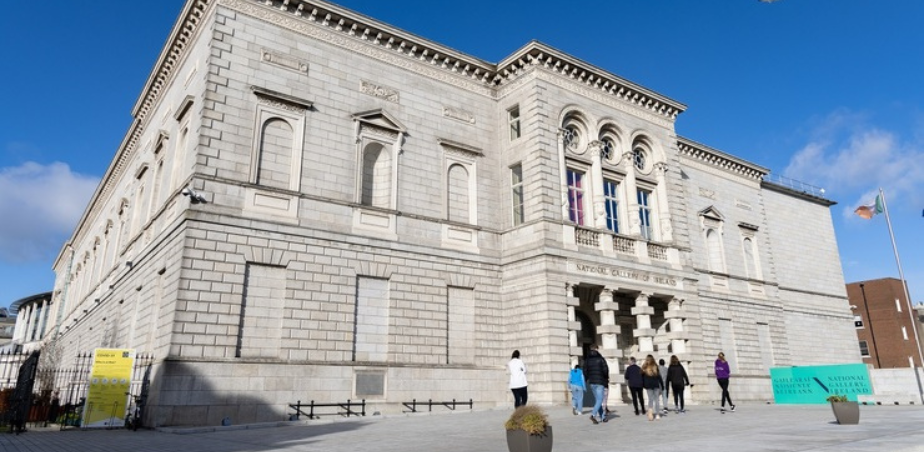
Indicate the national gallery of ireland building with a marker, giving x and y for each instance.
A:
(314, 205)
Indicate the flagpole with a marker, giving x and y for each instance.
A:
(901, 276)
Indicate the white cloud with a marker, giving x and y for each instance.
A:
(39, 208)
(852, 159)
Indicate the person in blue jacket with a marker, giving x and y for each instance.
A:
(577, 386)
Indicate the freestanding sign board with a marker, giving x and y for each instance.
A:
(813, 384)
(110, 381)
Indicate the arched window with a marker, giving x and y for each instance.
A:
(458, 196)
(376, 177)
(275, 154)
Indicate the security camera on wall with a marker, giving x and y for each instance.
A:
(194, 197)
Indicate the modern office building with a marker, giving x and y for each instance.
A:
(315, 205)
(29, 316)
(886, 323)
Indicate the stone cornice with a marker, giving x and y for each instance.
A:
(356, 32)
(181, 37)
(536, 53)
(713, 157)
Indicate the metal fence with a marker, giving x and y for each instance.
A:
(58, 393)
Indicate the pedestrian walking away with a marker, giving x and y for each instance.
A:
(651, 380)
(577, 386)
(633, 376)
(678, 380)
(667, 389)
(517, 370)
(597, 373)
(722, 374)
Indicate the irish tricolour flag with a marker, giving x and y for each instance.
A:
(871, 210)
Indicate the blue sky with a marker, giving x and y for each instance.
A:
(825, 92)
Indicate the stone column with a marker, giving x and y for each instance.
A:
(675, 317)
(644, 332)
(43, 321)
(563, 173)
(631, 196)
(596, 178)
(574, 326)
(609, 331)
(22, 321)
(665, 232)
(30, 323)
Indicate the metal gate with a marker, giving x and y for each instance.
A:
(21, 398)
(38, 393)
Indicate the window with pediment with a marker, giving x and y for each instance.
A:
(460, 179)
(750, 251)
(379, 140)
(712, 223)
(279, 142)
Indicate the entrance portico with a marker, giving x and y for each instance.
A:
(628, 319)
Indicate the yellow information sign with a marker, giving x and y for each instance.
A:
(110, 380)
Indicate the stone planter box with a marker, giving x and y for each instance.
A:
(846, 413)
(520, 441)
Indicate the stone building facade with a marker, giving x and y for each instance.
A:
(313, 205)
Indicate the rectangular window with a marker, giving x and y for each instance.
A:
(576, 196)
(864, 349)
(461, 322)
(644, 213)
(611, 200)
(516, 188)
(370, 340)
(898, 305)
(263, 299)
(904, 333)
(513, 118)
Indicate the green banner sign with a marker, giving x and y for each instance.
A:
(813, 384)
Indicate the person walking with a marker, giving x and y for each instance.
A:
(517, 370)
(678, 380)
(667, 389)
(651, 380)
(577, 386)
(597, 373)
(633, 376)
(722, 373)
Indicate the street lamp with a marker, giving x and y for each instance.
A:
(869, 321)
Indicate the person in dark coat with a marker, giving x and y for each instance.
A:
(634, 381)
(677, 378)
(597, 373)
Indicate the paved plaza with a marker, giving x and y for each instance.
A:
(750, 428)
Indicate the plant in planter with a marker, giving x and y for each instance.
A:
(845, 411)
(528, 430)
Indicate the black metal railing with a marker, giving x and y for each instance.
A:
(347, 409)
(413, 404)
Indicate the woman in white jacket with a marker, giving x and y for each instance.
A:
(517, 370)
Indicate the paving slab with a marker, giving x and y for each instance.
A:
(757, 428)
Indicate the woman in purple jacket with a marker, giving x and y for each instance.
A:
(722, 372)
